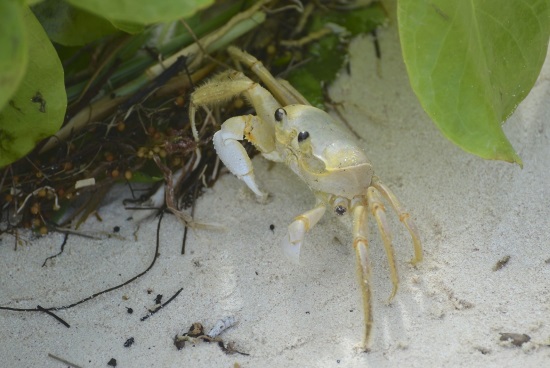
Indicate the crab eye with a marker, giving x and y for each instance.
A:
(340, 210)
(279, 114)
(302, 136)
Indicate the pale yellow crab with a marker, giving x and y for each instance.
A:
(315, 147)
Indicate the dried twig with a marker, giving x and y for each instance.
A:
(54, 316)
(64, 361)
(60, 251)
(161, 306)
(103, 291)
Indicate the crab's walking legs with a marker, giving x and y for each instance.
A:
(281, 89)
(298, 229)
(379, 212)
(404, 217)
(360, 245)
(227, 86)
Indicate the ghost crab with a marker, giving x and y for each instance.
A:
(317, 149)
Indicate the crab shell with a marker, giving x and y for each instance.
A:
(322, 153)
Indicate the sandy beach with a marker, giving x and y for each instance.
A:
(449, 311)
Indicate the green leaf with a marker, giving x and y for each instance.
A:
(326, 58)
(70, 26)
(328, 54)
(142, 11)
(13, 49)
(37, 108)
(128, 27)
(472, 62)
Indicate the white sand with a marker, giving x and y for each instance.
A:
(448, 312)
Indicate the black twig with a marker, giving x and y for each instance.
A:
(161, 306)
(159, 81)
(195, 195)
(63, 361)
(53, 315)
(103, 291)
(61, 251)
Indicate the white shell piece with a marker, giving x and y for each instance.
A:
(84, 183)
(222, 325)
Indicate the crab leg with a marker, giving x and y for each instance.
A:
(360, 245)
(404, 217)
(220, 89)
(298, 229)
(281, 89)
(227, 86)
(379, 212)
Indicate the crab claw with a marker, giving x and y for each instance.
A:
(294, 239)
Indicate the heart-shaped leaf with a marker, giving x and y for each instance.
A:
(70, 26)
(13, 49)
(142, 11)
(37, 108)
(472, 62)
